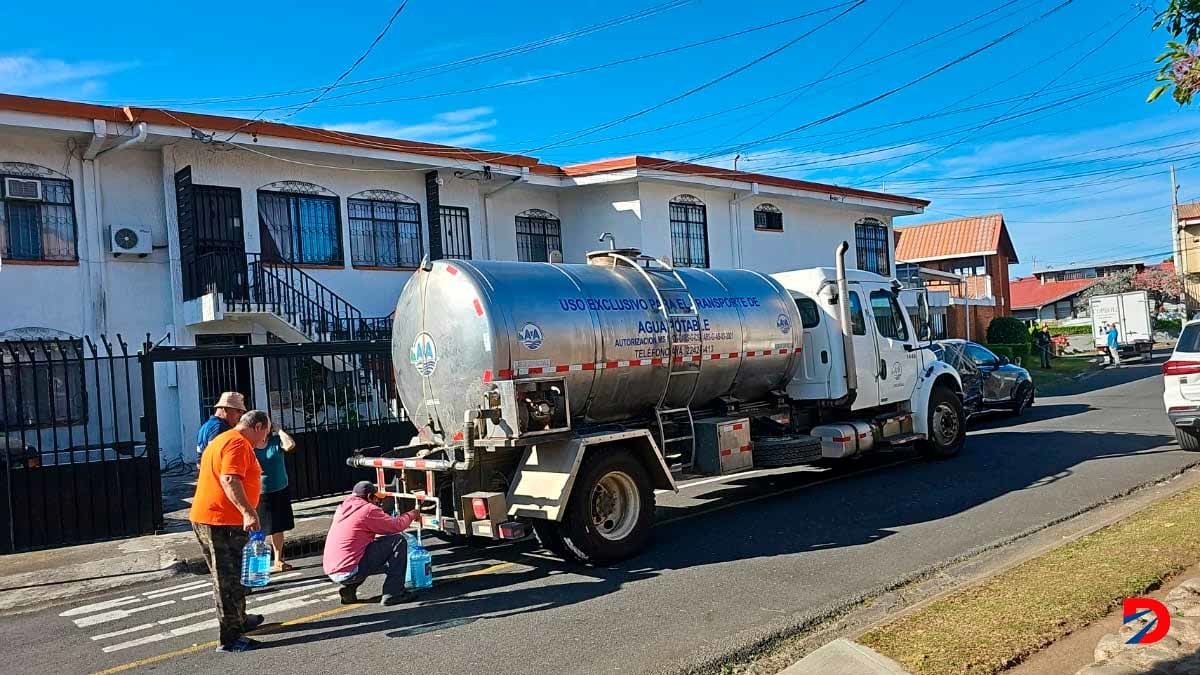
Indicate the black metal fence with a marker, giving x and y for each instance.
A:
(332, 397)
(76, 467)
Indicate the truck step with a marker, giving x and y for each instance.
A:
(903, 439)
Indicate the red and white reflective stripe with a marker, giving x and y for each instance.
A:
(744, 448)
(488, 375)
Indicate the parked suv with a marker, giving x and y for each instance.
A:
(989, 381)
(1181, 387)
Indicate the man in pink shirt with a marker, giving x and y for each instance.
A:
(353, 553)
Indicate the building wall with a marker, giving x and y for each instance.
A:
(980, 318)
(589, 211)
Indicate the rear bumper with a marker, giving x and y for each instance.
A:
(1185, 417)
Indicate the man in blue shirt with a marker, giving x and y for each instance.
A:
(1113, 342)
(226, 413)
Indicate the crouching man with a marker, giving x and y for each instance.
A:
(364, 540)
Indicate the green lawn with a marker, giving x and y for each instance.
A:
(986, 628)
(1065, 370)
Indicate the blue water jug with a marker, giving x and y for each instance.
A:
(256, 561)
(420, 565)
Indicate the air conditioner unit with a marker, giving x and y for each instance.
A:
(131, 239)
(23, 188)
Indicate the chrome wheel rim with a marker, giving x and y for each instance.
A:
(615, 506)
(945, 424)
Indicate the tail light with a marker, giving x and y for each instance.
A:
(1181, 367)
(479, 508)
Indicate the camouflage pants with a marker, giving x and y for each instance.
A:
(222, 546)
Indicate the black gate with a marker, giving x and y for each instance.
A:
(76, 466)
(332, 397)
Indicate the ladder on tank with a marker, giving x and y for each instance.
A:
(677, 305)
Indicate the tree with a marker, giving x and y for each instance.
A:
(1162, 285)
(1113, 283)
(1180, 68)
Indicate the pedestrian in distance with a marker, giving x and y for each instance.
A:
(1044, 344)
(364, 540)
(223, 513)
(228, 410)
(1113, 342)
(275, 506)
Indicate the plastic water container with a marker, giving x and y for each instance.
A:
(256, 561)
(419, 573)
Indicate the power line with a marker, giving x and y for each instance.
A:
(1017, 105)
(894, 90)
(430, 71)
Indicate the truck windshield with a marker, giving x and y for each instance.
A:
(888, 316)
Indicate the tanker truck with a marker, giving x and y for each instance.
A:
(558, 397)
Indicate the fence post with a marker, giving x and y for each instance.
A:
(150, 428)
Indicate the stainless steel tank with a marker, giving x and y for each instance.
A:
(603, 327)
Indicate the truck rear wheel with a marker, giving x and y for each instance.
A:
(947, 425)
(549, 535)
(611, 510)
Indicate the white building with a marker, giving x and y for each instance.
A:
(128, 220)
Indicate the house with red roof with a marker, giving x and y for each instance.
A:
(974, 254)
(1042, 299)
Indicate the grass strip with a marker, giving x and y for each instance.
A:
(1066, 368)
(998, 623)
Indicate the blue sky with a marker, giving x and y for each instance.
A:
(1049, 126)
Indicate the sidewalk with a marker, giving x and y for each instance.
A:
(40, 578)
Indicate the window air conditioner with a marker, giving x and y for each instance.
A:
(23, 188)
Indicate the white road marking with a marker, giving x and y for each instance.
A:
(211, 624)
(198, 595)
(100, 606)
(176, 591)
(117, 614)
(288, 591)
(115, 633)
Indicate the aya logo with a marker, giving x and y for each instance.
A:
(1135, 608)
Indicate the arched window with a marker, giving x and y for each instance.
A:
(538, 233)
(385, 229)
(42, 375)
(689, 232)
(871, 242)
(37, 214)
(768, 217)
(300, 222)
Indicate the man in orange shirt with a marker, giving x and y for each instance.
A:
(223, 512)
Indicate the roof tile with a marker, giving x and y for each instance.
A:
(976, 235)
(1031, 293)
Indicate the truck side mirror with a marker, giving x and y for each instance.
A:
(924, 329)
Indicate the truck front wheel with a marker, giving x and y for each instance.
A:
(611, 511)
(947, 425)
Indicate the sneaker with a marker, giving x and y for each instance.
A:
(389, 600)
(239, 645)
(349, 594)
(252, 621)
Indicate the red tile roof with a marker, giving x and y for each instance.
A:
(1167, 266)
(958, 238)
(1031, 293)
(129, 114)
(1189, 211)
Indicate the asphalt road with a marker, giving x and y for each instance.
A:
(733, 559)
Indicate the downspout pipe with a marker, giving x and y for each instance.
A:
(843, 289)
(138, 138)
(735, 222)
(487, 223)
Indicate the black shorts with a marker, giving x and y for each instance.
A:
(275, 512)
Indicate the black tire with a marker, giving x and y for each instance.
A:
(946, 423)
(1022, 400)
(549, 535)
(611, 481)
(1189, 438)
(790, 451)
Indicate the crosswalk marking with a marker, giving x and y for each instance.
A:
(115, 633)
(117, 614)
(99, 606)
(153, 595)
